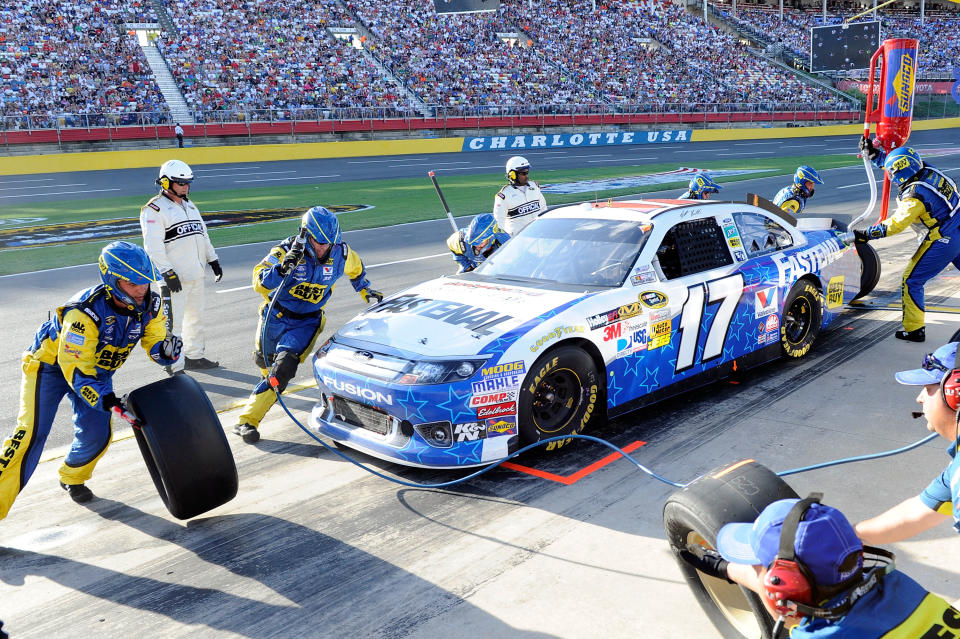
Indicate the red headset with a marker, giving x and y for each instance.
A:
(787, 580)
(950, 389)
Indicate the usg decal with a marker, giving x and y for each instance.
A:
(357, 391)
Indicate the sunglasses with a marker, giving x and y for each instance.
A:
(931, 363)
(523, 172)
(181, 182)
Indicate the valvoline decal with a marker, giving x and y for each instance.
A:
(900, 80)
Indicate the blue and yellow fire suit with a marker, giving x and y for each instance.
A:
(931, 199)
(75, 354)
(943, 493)
(465, 256)
(297, 319)
(897, 608)
(790, 201)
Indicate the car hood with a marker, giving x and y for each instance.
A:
(454, 316)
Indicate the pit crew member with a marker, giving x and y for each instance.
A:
(472, 245)
(844, 598)
(940, 501)
(175, 237)
(297, 317)
(519, 202)
(793, 198)
(927, 196)
(700, 188)
(75, 354)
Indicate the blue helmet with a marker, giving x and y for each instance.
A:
(322, 225)
(127, 262)
(803, 174)
(902, 164)
(481, 230)
(703, 184)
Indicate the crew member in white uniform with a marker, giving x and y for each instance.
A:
(175, 237)
(520, 202)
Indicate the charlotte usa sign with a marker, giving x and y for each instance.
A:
(563, 140)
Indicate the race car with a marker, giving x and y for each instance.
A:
(591, 311)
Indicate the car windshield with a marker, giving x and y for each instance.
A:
(576, 251)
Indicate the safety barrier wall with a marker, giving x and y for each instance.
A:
(302, 127)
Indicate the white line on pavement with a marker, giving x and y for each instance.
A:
(61, 193)
(305, 177)
(236, 168)
(749, 153)
(262, 173)
(400, 166)
(762, 144)
(850, 186)
(29, 180)
(410, 259)
(470, 168)
(45, 186)
(622, 159)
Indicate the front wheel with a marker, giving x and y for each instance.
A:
(801, 319)
(559, 396)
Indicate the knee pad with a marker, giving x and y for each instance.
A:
(284, 368)
(258, 360)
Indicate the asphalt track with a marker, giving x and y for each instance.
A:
(314, 547)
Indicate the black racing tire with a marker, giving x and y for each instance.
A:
(870, 269)
(184, 446)
(561, 395)
(801, 319)
(696, 513)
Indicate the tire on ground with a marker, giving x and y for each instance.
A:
(184, 446)
(695, 514)
(801, 319)
(561, 395)
(870, 273)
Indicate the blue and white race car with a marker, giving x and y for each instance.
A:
(591, 311)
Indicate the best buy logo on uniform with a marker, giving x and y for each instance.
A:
(90, 395)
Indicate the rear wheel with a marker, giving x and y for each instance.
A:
(560, 396)
(870, 269)
(801, 319)
(694, 516)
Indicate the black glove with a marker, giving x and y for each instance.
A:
(868, 150)
(110, 400)
(3, 635)
(861, 236)
(217, 271)
(170, 347)
(368, 293)
(173, 282)
(291, 259)
(707, 561)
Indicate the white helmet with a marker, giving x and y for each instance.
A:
(514, 164)
(174, 170)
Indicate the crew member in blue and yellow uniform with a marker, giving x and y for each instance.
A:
(828, 584)
(940, 500)
(315, 260)
(472, 245)
(793, 198)
(700, 188)
(927, 196)
(76, 353)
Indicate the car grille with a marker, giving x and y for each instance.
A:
(361, 415)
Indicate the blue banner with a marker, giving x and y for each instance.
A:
(565, 140)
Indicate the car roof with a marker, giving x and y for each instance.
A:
(649, 210)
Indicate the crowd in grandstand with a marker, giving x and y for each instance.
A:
(70, 63)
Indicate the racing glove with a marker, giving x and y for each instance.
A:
(172, 281)
(291, 259)
(170, 347)
(368, 293)
(113, 404)
(707, 561)
(868, 150)
(861, 236)
(217, 271)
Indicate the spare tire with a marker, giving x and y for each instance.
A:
(870, 269)
(184, 446)
(695, 514)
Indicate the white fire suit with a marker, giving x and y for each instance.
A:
(516, 206)
(175, 237)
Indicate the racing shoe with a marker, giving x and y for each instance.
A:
(171, 372)
(249, 433)
(919, 335)
(78, 492)
(200, 364)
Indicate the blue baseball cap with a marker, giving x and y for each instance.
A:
(823, 541)
(935, 366)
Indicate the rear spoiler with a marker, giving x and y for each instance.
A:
(768, 206)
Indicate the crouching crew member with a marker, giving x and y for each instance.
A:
(472, 245)
(700, 188)
(297, 318)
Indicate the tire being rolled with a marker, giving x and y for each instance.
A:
(184, 446)
(870, 269)
(695, 514)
